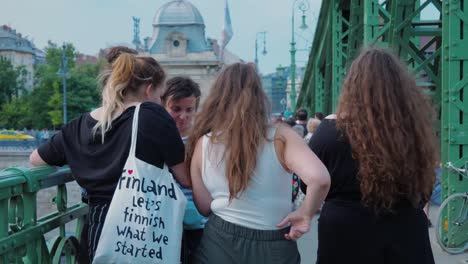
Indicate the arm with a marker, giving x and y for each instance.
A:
(180, 173)
(50, 153)
(201, 195)
(299, 159)
(35, 159)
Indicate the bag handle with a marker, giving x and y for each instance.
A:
(134, 131)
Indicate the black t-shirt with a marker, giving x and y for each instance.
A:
(334, 151)
(97, 166)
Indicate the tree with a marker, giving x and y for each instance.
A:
(55, 104)
(83, 92)
(8, 80)
(44, 104)
(15, 114)
(21, 80)
(46, 78)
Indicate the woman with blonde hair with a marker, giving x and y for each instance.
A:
(380, 152)
(96, 144)
(241, 174)
(312, 125)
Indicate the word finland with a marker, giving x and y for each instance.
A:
(129, 182)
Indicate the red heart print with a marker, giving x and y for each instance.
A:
(130, 172)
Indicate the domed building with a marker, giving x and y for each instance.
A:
(180, 45)
(178, 29)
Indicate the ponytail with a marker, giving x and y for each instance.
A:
(114, 91)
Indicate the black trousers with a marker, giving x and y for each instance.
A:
(351, 233)
(92, 229)
(190, 241)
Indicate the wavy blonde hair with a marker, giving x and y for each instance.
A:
(236, 113)
(389, 124)
(313, 124)
(127, 74)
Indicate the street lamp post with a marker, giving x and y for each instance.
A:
(264, 52)
(303, 6)
(63, 72)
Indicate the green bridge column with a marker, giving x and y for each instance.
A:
(454, 113)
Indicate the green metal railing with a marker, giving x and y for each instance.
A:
(22, 237)
(435, 48)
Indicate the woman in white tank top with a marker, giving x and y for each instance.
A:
(241, 175)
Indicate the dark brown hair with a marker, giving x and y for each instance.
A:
(389, 124)
(115, 52)
(181, 87)
(236, 112)
(301, 114)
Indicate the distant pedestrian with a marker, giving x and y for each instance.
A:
(299, 129)
(44, 135)
(291, 121)
(301, 116)
(319, 116)
(312, 125)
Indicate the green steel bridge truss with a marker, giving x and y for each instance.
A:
(435, 49)
(22, 232)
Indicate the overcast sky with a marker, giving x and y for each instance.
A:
(94, 24)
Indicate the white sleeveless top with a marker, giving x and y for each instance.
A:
(267, 199)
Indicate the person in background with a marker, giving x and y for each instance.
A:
(435, 196)
(299, 188)
(319, 116)
(181, 100)
(301, 116)
(299, 129)
(312, 125)
(291, 121)
(380, 152)
(96, 144)
(241, 173)
(44, 135)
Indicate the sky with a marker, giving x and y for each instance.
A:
(94, 24)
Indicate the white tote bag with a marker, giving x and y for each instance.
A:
(144, 221)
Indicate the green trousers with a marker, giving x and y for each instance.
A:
(227, 243)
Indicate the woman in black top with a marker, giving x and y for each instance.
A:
(380, 153)
(96, 144)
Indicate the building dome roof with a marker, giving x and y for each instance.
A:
(178, 12)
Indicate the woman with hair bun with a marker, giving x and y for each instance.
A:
(96, 144)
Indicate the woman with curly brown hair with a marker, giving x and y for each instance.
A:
(380, 152)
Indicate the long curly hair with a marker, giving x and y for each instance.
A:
(236, 113)
(388, 122)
